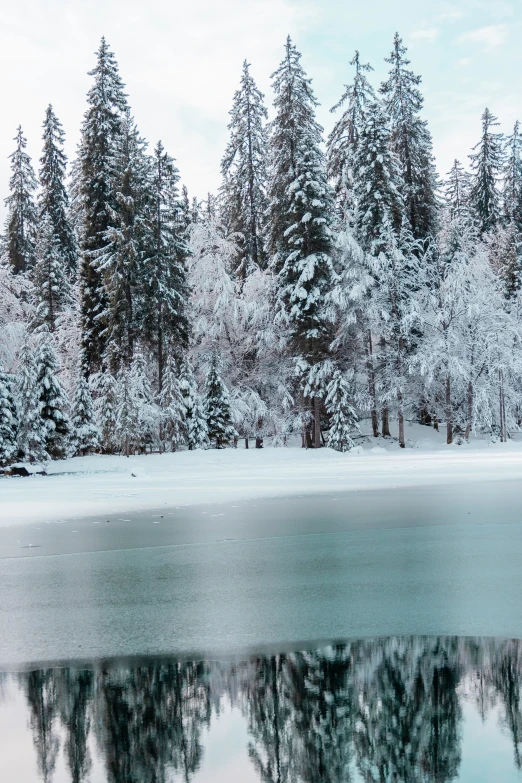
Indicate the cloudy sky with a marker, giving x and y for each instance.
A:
(181, 62)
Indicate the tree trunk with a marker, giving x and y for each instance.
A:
(402, 442)
(317, 423)
(470, 410)
(449, 420)
(371, 387)
(386, 423)
(246, 442)
(259, 443)
(435, 424)
(502, 411)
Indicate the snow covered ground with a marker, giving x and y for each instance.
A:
(97, 485)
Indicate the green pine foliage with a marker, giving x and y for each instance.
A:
(195, 424)
(21, 220)
(218, 412)
(85, 435)
(487, 162)
(53, 402)
(51, 286)
(31, 434)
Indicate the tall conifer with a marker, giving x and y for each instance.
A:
(486, 164)
(21, 210)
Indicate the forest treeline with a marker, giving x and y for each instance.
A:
(328, 280)
(390, 709)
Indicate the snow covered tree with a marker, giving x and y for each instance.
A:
(300, 212)
(106, 407)
(165, 293)
(21, 220)
(85, 435)
(172, 412)
(31, 435)
(147, 412)
(195, 424)
(218, 414)
(127, 414)
(51, 287)
(512, 175)
(101, 127)
(487, 163)
(343, 140)
(411, 142)
(8, 419)
(504, 245)
(119, 260)
(53, 402)
(53, 200)
(243, 167)
(457, 192)
(343, 419)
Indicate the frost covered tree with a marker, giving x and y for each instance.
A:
(487, 162)
(244, 199)
(51, 286)
(53, 200)
(195, 424)
(20, 228)
(106, 407)
(8, 419)
(165, 292)
(119, 260)
(343, 140)
(411, 142)
(127, 414)
(343, 418)
(300, 212)
(512, 176)
(141, 393)
(53, 402)
(31, 435)
(172, 413)
(218, 412)
(457, 192)
(85, 435)
(101, 127)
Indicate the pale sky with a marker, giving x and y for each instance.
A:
(181, 62)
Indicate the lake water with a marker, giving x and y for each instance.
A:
(165, 646)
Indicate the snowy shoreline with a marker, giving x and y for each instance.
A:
(97, 485)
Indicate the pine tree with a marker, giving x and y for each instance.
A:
(126, 414)
(106, 406)
(8, 419)
(195, 424)
(377, 181)
(119, 260)
(218, 415)
(343, 418)
(486, 164)
(343, 140)
(51, 287)
(300, 212)
(53, 402)
(53, 200)
(411, 142)
(31, 436)
(244, 172)
(165, 293)
(85, 435)
(101, 127)
(457, 192)
(141, 393)
(22, 217)
(171, 407)
(512, 190)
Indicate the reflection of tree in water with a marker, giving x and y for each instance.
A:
(391, 706)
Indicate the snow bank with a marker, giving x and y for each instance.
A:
(96, 485)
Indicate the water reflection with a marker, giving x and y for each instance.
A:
(374, 710)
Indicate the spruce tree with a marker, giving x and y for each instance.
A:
(300, 212)
(377, 181)
(343, 140)
(51, 286)
(244, 172)
(486, 163)
(120, 259)
(512, 175)
(101, 127)
(196, 435)
(31, 435)
(85, 435)
(165, 294)
(126, 431)
(171, 407)
(411, 142)
(53, 200)
(457, 192)
(21, 210)
(218, 413)
(53, 402)
(339, 407)
(141, 393)
(8, 419)
(106, 407)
